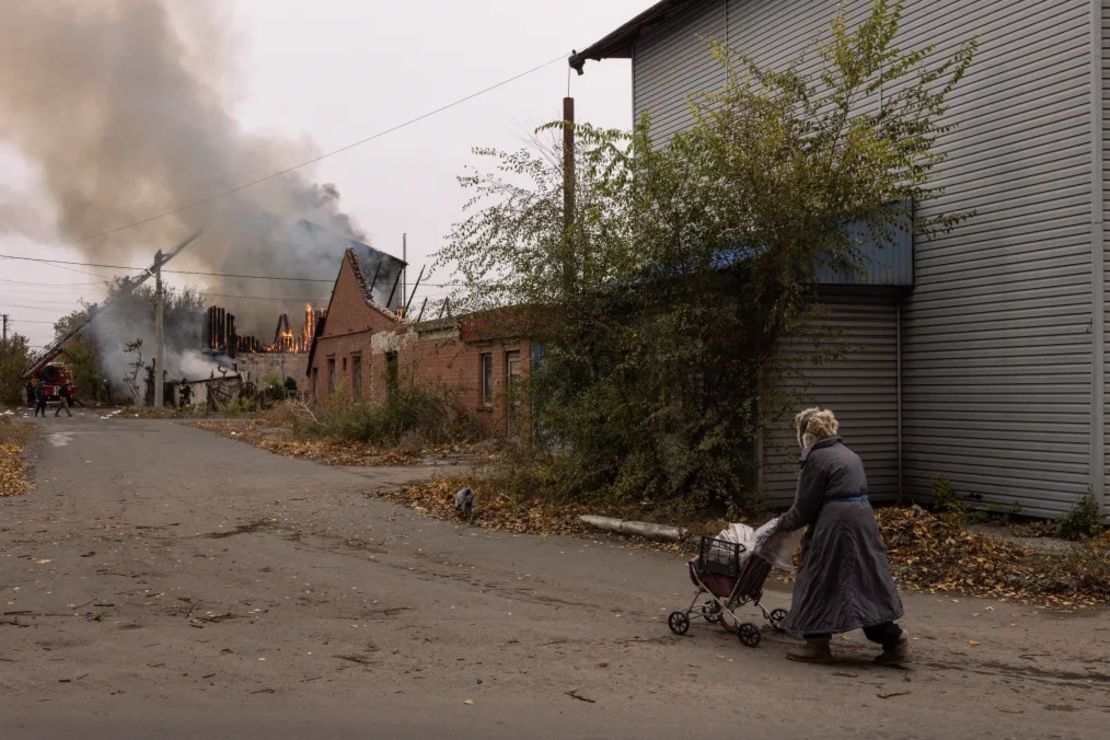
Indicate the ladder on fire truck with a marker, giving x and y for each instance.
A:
(126, 286)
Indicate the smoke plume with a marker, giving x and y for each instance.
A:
(123, 108)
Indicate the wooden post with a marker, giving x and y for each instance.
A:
(568, 197)
(159, 331)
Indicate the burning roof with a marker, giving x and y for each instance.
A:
(381, 272)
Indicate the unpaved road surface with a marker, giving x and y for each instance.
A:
(162, 581)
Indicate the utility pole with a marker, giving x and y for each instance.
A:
(568, 197)
(5, 327)
(159, 330)
(405, 259)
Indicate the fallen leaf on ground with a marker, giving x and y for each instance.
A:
(933, 554)
(15, 474)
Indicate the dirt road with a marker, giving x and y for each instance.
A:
(165, 582)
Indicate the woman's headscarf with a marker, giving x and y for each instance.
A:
(815, 424)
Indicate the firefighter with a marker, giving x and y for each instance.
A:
(40, 398)
(63, 400)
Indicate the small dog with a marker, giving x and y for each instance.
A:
(464, 504)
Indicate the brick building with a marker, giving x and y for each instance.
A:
(362, 352)
(476, 360)
(340, 354)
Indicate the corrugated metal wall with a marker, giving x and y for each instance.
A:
(861, 387)
(1104, 49)
(997, 346)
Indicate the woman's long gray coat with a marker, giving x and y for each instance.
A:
(844, 580)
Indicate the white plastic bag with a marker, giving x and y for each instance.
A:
(742, 535)
(777, 547)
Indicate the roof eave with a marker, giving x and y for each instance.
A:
(618, 44)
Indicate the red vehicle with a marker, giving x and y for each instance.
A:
(53, 377)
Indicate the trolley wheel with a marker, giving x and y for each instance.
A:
(749, 634)
(679, 622)
(778, 616)
(711, 610)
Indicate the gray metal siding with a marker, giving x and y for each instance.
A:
(861, 387)
(1104, 50)
(996, 344)
(997, 350)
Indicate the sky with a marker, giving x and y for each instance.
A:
(332, 72)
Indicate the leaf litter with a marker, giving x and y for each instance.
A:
(927, 553)
(15, 470)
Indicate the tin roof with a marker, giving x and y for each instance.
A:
(618, 43)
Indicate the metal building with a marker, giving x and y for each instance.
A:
(987, 367)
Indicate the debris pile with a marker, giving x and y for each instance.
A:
(933, 554)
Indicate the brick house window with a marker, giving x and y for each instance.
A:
(512, 391)
(315, 384)
(486, 371)
(356, 376)
(512, 367)
(331, 375)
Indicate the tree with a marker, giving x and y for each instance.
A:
(692, 259)
(15, 355)
(82, 356)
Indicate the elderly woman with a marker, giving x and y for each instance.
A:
(844, 580)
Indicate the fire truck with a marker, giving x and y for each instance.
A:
(52, 377)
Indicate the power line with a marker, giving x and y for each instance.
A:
(47, 285)
(319, 158)
(259, 297)
(56, 301)
(195, 272)
(176, 272)
(61, 307)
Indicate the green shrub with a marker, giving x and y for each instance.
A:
(239, 406)
(273, 387)
(1082, 522)
(945, 500)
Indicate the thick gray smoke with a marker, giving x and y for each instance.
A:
(123, 108)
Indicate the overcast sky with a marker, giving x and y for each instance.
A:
(336, 71)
